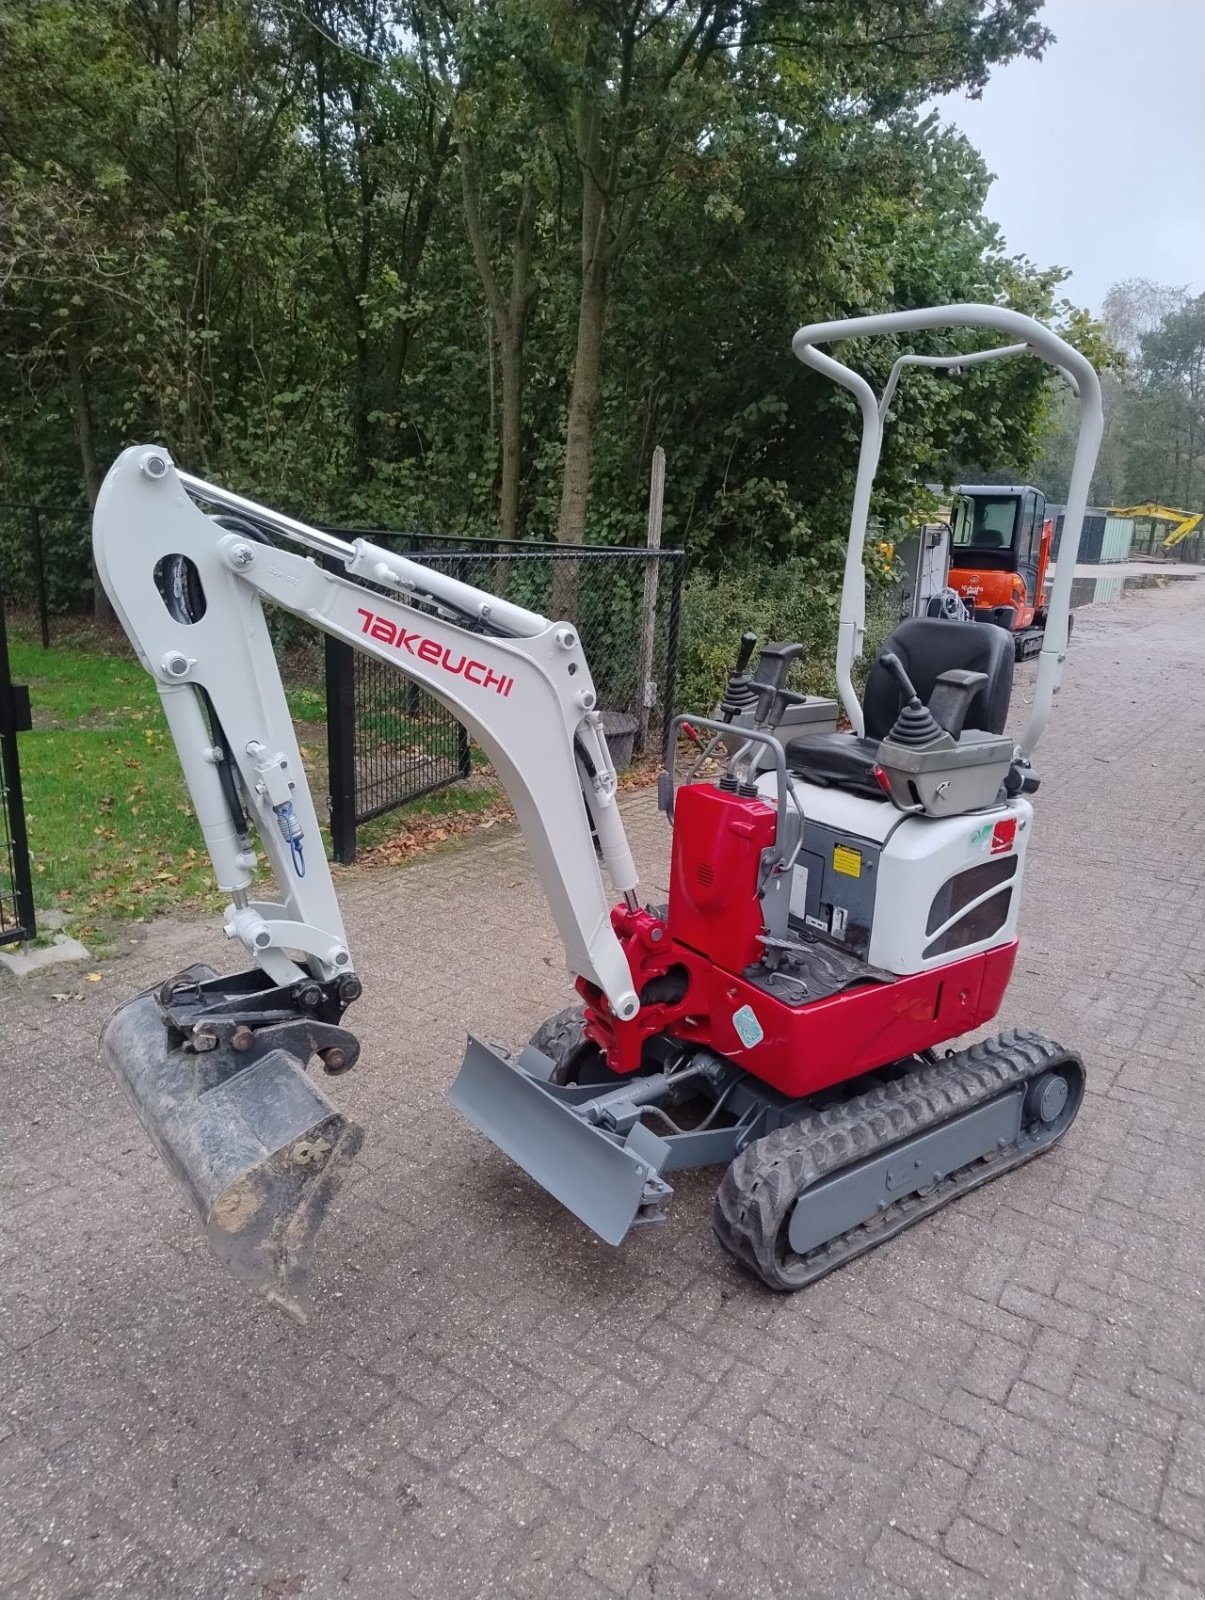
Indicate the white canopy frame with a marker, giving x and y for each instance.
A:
(1029, 338)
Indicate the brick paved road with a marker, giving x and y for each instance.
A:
(1007, 1401)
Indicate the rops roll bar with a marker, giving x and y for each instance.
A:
(1030, 338)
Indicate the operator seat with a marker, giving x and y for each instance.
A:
(927, 646)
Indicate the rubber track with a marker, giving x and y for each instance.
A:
(560, 1037)
(763, 1184)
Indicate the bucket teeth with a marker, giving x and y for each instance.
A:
(255, 1146)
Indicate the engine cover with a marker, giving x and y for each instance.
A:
(906, 893)
(714, 906)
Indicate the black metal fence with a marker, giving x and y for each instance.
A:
(389, 742)
(16, 883)
(45, 561)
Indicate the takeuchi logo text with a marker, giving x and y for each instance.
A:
(413, 643)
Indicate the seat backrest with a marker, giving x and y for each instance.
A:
(929, 646)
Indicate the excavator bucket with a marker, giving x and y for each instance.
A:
(256, 1147)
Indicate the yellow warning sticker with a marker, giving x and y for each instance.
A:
(847, 861)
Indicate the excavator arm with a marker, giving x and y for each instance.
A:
(1184, 523)
(214, 1066)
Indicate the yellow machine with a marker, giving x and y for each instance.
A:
(1184, 522)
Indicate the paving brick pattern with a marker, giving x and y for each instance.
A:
(1006, 1401)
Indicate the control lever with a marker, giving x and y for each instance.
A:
(953, 693)
(899, 672)
(769, 682)
(738, 694)
(775, 661)
(915, 726)
(745, 654)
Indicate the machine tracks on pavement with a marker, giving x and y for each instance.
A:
(892, 1156)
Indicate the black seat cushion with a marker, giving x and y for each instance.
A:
(929, 646)
(836, 760)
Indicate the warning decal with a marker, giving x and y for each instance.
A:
(749, 1029)
(847, 860)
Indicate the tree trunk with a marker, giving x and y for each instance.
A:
(511, 333)
(575, 483)
(85, 440)
(510, 360)
(361, 429)
(508, 323)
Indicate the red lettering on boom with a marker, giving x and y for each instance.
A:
(477, 672)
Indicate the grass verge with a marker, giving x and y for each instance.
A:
(112, 832)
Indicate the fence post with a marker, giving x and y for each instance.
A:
(14, 719)
(340, 661)
(648, 608)
(464, 757)
(672, 632)
(39, 572)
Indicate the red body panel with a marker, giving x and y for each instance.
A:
(808, 1048)
(713, 903)
(711, 938)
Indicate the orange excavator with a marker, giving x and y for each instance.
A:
(999, 553)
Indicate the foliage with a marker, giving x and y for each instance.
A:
(1154, 401)
(240, 227)
(791, 600)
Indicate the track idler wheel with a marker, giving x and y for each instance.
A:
(820, 1192)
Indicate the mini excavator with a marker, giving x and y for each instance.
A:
(843, 905)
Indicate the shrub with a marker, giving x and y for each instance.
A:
(790, 601)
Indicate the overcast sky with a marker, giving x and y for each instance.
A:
(1099, 149)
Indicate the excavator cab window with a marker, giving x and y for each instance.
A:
(1031, 527)
(986, 523)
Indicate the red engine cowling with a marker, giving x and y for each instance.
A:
(690, 971)
(714, 907)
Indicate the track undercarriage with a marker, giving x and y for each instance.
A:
(810, 1185)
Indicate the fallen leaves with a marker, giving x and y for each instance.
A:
(418, 835)
(639, 775)
(427, 833)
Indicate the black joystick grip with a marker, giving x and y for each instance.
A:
(745, 654)
(740, 695)
(897, 670)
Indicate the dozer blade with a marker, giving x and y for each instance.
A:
(608, 1183)
(254, 1144)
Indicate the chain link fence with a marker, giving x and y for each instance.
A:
(390, 743)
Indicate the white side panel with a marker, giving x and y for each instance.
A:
(919, 857)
